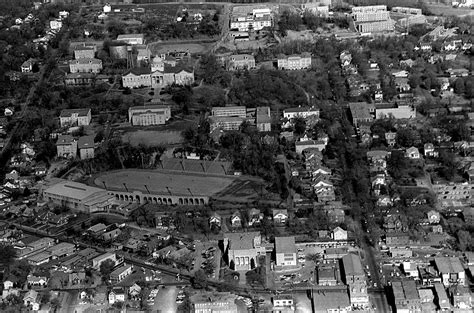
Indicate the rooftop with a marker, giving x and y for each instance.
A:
(130, 36)
(448, 265)
(352, 265)
(301, 109)
(285, 244)
(73, 190)
(85, 142)
(148, 107)
(87, 61)
(241, 241)
(360, 110)
(70, 112)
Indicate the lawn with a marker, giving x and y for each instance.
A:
(161, 182)
(152, 138)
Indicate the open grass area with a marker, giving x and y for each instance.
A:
(152, 138)
(162, 182)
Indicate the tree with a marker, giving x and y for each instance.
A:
(299, 125)
(7, 255)
(199, 280)
(465, 240)
(459, 86)
(106, 268)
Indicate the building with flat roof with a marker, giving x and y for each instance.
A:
(225, 122)
(263, 119)
(361, 112)
(149, 115)
(97, 261)
(229, 111)
(39, 258)
(294, 62)
(451, 270)
(374, 18)
(303, 112)
(243, 249)
(406, 296)
(61, 249)
(207, 302)
(79, 197)
(132, 39)
(285, 251)
(245, 18)
(354, 277)
(442, 299)
(394, 110)
(84, 52)
(120, 273)
(336, 301)
(75, 117)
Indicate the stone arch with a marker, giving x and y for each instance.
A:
(201, 201)
(160, 201)
(169, 201)
(126, 197)
(116, 197)
(191, 201)
(196, 201)
(164, 201)
(137, 197)
(180, 201)
(154, 200)
(186, 201)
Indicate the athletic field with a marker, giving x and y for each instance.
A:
(162, 182)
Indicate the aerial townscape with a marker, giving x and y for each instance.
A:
(299, 156)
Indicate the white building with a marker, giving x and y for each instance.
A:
(97, 261)
(303, 112)
(245, 18)
(149, 115)
(294, 62)
(132, 39)
(75, 117)
(285, 251)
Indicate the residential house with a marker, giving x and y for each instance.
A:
(85, 145)
(285, 251)
(346, 58)
(117, 294)
(339, 234)
(433, 217)
(236, 219)
(255, 217)
(243, 249)
(134, 292)
(85, 65)
(430, 151)
(305, 143)
(451, 270)
(240, 62)
(27, 66)
(77, 278)
(7, 284)
(215, 220)
(120, 273)
(390, 138)
(280, 216)
(36, 281)
(75, 117)
(413, 153)
(295, 62)
(66, 146)
(32, 300)
(458, 72)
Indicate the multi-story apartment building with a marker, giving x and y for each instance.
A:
(295, 62)
(240, 62)
(245, 18)
(75, 117)
(374, 18)
(86, 148)
(354, 277)
(149, 115)
(85, 65)
(238, 111)
(66, 146)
